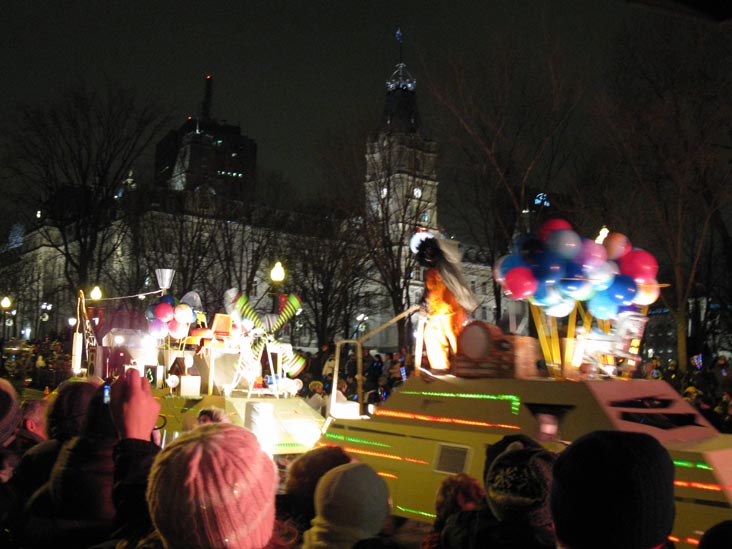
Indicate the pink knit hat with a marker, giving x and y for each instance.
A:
(213, 487)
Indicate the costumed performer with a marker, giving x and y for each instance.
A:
(448, 298)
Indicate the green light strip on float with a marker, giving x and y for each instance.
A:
(514, 399)
(356, 440)
(289, 444)
(415, 512)
(692, 465)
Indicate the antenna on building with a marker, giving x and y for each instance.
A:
(399, 39)
(207, 98)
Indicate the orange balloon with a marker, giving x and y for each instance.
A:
(617, 245)
(647, 293)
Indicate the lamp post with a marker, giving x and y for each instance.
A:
(361, 326)
(5, 303)
(44, 316)
(165, 279)
(276, 275)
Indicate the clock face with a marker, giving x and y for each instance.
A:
(417, 193)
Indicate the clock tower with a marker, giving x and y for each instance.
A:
(401, 177)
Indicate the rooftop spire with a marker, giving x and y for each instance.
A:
(206, 103)
(400, 78)
(400, 110)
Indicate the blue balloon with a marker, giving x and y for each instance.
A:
(602, 306)
(167, 298)
(623, 289)
(546, 296)
(548, 267)
(574, 284)
(509, 262)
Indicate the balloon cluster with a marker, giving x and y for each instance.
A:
(167, 316)
(556, 268)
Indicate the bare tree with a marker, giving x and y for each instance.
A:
(669, 120)
(505, 127)
(72, 157)
(328, 263)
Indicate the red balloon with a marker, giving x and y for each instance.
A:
(164, 312)
(551, 225)
(178, 330)
(639, 265)
(520, 283)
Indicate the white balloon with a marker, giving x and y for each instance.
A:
(561, 309)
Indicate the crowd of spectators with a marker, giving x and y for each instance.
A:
(381, 375)
(87, 471)
(708, 387)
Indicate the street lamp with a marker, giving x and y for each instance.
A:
(361, 324)
(5, 304)
(276, 275)
(164, 278)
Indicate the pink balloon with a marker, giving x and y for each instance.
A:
(640, 265)
(178, 330)
(164, 312)
(520, 283)
(617, 245)
(591, 255)
(551, 225)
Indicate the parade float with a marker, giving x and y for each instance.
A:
(235, 363)
(587, 300)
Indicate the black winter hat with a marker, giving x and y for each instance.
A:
(629, 474)
(518, 484)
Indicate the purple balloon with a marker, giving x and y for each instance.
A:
(157, 328)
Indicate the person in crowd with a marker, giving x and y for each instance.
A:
(351, 368)
(316, 396)
(340, 395)
(470, 527)
(9, 413)
(75, 506)
(397, 370)
(388, 363)
(297, 504)
(376, 370)
(516, 515)
(351, 504)
(318, 362)
(456, 493)
(329, 367)
(8, 463)
(723, 375)
(65, 419)
(32, 428)
(613, 470)
(212, 414)
(211, 487)
(672, 375)
(718, 536)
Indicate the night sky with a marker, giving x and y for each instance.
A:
(289, 72)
